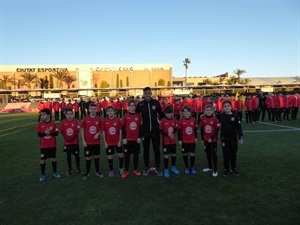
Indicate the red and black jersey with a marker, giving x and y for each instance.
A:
(47, 141)
(168, 126)
(188, 128)
(76, 106)
(239, 105)
(118, 105)
(177, 108)
(48, 105)
(132, 123)
(91, 127)
(270, 102)
(69, 105)
(56, 106)
(69, 130)
(63, 105)
(209, 128)
(112, 128)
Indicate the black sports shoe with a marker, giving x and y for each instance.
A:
(235, 172)
(226, 174)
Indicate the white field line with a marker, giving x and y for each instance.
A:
(266, 131)
(288, 128)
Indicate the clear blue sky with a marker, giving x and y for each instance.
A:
(259, 36)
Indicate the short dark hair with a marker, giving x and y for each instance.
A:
(187, 108)
(67, 110)
(146, 89)
(46, 110)
(226, 102)
(131, 101)
(110, 107)
(168, 109)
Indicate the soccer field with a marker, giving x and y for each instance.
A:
(266, 192)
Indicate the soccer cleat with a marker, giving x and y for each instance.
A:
(193, 171)
(56, 175)
(42, 178)
(111, 173)
(86, 176)
(137, 173)
(235, 172)
(215, 174)
(146, 172)
(153, 169)
(99, 174)
(187, 171)
(166, 173)
(69, 173)
(226, 174)
(159, 172)
(125, 174)
(79, 171)
(207, 170)
(121, 170)
(174, 170)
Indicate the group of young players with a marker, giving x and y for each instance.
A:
(144, 122)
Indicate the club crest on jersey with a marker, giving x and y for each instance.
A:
(153, 107)
(96, 123)
(211, 122)
(115, 124)
(136, 119)
(232, 118)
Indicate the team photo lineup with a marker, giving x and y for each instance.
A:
(129, 126)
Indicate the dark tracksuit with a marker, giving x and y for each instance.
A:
(82, 106)
(151, 113)
(231, 130)
(262, 107)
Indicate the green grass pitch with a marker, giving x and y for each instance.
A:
(266, 192)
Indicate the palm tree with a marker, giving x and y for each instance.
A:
(239, 72)
(69, 79)
(6, 79)
(186, 63)
(27, 79)
(232, 80)
(60, 75)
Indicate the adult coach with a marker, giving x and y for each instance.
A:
(150, 111)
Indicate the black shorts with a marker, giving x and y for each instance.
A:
(132, 148)
(210, 147)
(169, 149)
(47, 153)
(188, 148)
(74, 149)
(113, 149)
(91, 150)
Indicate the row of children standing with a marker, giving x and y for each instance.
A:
(129, 131)
(90, 129)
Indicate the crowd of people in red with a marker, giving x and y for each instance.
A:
(255, 107)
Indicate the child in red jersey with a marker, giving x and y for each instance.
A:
(69, 129)
(177, 109)
(90, 130)
(187, 138)
(112, 134)
(168, 127)
(209, 126)
(47, 131)
(131, 127)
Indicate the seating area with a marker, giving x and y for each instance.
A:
(17, 105)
